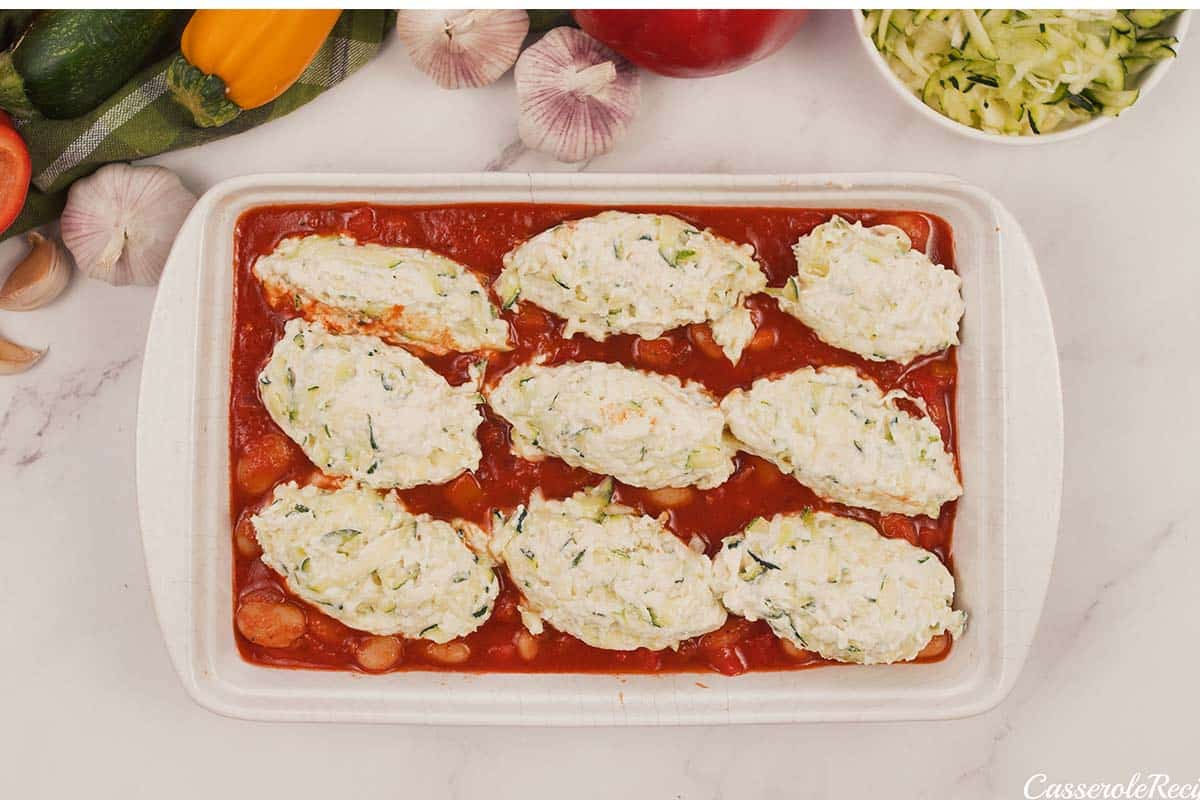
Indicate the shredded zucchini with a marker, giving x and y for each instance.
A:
(1021, 72)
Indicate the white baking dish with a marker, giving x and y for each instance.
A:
(1010, 439)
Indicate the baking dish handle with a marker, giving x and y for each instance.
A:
(1034, 417)
(164, 422)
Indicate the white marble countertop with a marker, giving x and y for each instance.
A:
(91, 705)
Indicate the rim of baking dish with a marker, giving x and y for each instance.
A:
(183, 475)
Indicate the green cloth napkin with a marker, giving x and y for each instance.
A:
(142, 119)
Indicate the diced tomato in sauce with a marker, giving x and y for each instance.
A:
(478, 236)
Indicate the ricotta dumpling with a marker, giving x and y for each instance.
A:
(642, 428)
(370, 411)
(867, 291)
(364, 560)
(403, 295)
(605, 574)
(636, 273)
(834, 586)
(842, 437)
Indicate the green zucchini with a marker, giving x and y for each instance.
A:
(1021, 72)
(70, 61)
(1147, 18)
(12, 24)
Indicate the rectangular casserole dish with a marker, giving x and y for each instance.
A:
(1009, 424)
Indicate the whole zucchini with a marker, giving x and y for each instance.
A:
(12, 25)
(70, 61)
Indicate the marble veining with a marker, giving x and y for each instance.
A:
(34, 412)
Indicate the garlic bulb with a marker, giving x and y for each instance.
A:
(463, 49)
(120, 222)
(39, 278)
(577, 95)
(14, 358)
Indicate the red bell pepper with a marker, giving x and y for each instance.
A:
(690, 43)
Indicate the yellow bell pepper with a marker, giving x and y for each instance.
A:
(235, 60)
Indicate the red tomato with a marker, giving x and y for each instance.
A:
(701, 336)
(764, 339)
(657, 353)
(726, 660)
(506, 609)
(530, 321)
(720, 647)
(15, 171)
(642, 660)
(898, 526)
(328, 630)
(691, 43)
(936, 648)
(464, 493)
(759, 649)
(501, 653)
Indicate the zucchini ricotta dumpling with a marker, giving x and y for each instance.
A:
(867, 291)
(835, 586)
(605, 574)
(403, 295)
(364, 409)
(361, 558)
(842, 437)
(644, 429)
(644, 274)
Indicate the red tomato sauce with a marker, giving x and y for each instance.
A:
(478, 236)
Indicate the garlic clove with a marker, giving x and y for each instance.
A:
(577, 95)
(463, 49)
(39, 278)
(15, 358)
(120, 222)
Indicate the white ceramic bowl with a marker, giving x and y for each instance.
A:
(1153, 75)
(1010, 448)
